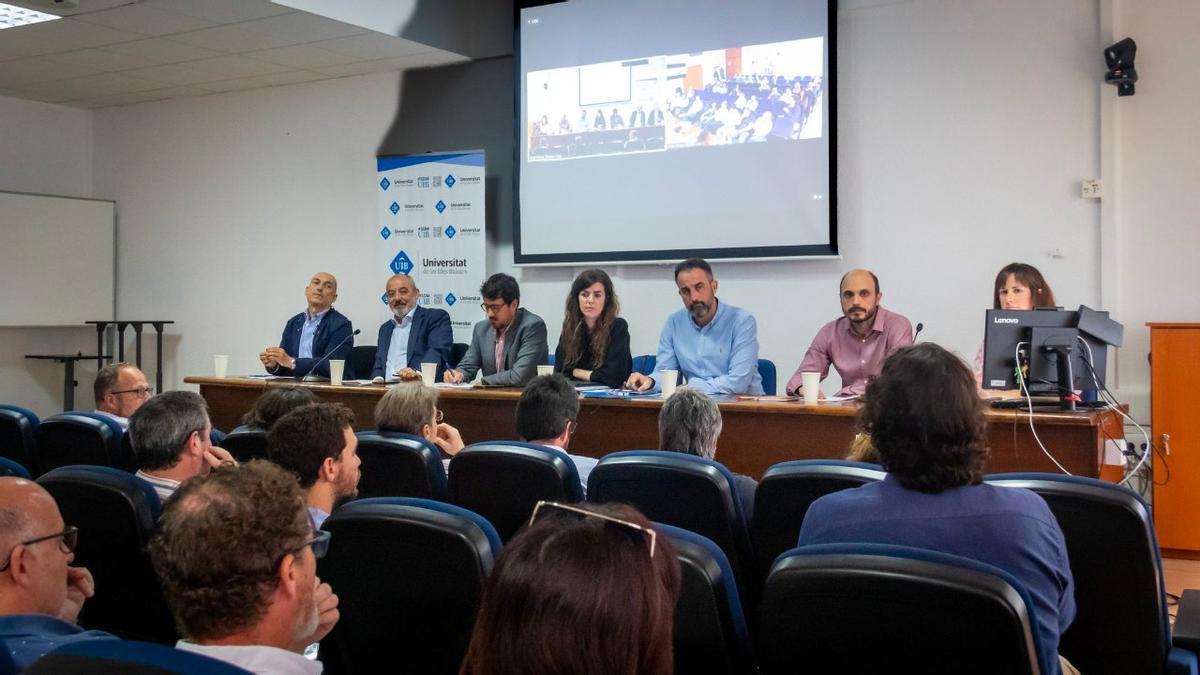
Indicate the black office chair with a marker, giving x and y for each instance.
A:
(503, 480)
(784, 494)
(127, 657)
(246, 444)
(81, 438)
(362, 362)
(711, 635)
(115, 512)
(691, 492)
(400, 465)
(457, 351)
(17, 429)
(871, 608)
(409, 574)
(9, 468)
(1121, 623)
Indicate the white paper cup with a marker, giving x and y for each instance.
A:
(811, 382)
(429, 373)
(545, 370)
(336, 368)
(668, 380)
(220, 365)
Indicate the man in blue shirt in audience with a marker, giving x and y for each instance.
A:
(40, 593)
(713, 345)
(313, 337)
(546, 415)
(926, 420)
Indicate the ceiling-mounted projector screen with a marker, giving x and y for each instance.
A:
(652, 130)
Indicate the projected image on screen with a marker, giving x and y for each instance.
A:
(727, 96)
(652, 130)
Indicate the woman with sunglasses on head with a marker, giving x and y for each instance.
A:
(594, 343)
(582, 590)
(1018, 286)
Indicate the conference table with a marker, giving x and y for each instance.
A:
(756, 433)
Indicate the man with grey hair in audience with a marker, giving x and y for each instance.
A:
(172, 440)
(690, 423)
(120, 389)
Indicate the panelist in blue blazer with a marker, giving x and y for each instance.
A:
(314, 336)
(414, 335)
(510, 345)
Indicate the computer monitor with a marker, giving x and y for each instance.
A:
(1050, 347)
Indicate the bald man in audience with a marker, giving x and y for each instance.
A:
(40, 593)
(120, 389)
(859, 342)
(172, 441)
(313, 337)
(237, 556)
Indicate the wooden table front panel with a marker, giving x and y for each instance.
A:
(755, 434)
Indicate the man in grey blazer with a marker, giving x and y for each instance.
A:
(508, 346)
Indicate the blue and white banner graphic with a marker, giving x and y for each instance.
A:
(431, 227)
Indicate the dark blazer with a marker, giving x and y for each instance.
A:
(618, 362)
(524, 348)
(334, 328)
(430, 339)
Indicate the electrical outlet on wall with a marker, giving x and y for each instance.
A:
(1090, 189)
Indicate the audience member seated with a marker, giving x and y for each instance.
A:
(581, 590)
(861, 449)
(690, 422)
(274, 403)
(120, 389)
(926, 422)
(40, 593)
(411, 408)
(317, 443)
(237, 556)
(172, 440)
(546, 415)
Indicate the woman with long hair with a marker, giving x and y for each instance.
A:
(594, 343)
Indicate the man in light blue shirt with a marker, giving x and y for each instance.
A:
(713, 345)
(414, 335)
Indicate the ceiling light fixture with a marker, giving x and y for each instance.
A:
(12, 16)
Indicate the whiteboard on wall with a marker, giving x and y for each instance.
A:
(57, 260)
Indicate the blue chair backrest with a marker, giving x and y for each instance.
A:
(1121, 623)
(116, 513)
(503, 480)
(863, 608)
(409, 575)
(246, 444)
(645, 363)
(81, 438)
(711, 635)
(128, 656)
(13, 469)
(784, 494)
(766, 370)
(17, 434)
(400, 465)
(682, 490)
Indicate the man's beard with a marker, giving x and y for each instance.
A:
(698, 310)
(401, 311)
(867, 318)
(312, 618)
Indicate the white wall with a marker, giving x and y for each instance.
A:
(1157, 202)
(964, 129)
(44, 149)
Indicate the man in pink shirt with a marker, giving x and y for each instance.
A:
(859, 342)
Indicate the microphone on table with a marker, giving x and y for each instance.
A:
(310, 377)
(920, 327)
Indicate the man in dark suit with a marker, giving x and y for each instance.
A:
(414, 335)
(309, 336)
(508, 346)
